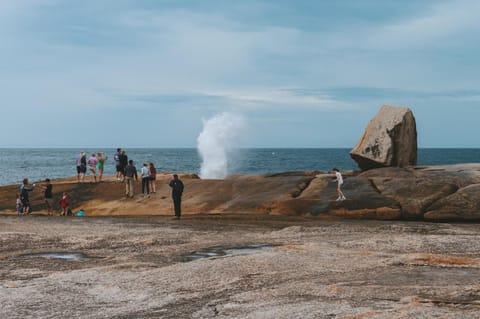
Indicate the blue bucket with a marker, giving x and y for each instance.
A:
(80, 213)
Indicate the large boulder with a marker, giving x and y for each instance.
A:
(390, 139)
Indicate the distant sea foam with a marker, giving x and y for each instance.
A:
(38, 164)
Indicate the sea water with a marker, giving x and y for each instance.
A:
(38, 164)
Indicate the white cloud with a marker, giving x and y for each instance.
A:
(254, 98)
(110, 54)
(439, 27)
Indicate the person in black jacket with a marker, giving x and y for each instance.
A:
(123, 158)
(177, 191)
(48, 196)
(25, 189)
(130, 173)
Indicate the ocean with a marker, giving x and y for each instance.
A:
(41, 163)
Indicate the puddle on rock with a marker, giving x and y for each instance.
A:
(57, 255)
(218, 251)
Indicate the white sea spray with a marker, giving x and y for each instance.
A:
(216, 141)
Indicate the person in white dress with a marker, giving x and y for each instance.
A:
(339, 180)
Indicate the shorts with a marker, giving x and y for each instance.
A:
(152, 178)
(93, 170)
(81, 169)
(49, 202)
(119, 168)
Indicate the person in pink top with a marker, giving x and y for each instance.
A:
(92, 164)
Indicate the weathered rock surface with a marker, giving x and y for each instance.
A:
(463, 204)
(417, 189)
(433, 193)
(390, 139)
(317, 268)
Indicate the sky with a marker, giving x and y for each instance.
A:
(149, 73)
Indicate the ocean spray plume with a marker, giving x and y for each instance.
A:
(215, 143)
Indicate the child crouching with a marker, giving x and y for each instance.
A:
(64, 203)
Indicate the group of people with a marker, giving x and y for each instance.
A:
(95, 163)
(125, 172)
(23, 199)
(148, 173)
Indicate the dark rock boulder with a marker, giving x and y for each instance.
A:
(390, 139)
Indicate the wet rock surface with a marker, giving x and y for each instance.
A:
(318, 268)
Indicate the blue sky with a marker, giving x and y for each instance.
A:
(302, 73)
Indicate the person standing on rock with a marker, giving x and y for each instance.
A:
(81, 166)
(19, 204)
(145, 171)
(101, 165)
(123, 162)
(25, 189)
(339, 180)
(118, 166)
(153, 177)
(48, 196)
(92, 163)
(177, 190)
(130, 173)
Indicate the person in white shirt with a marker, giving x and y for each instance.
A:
(145, 179)
(92, 163)
(339, 180)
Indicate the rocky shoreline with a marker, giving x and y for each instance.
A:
(431, 193)
(250, 246)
